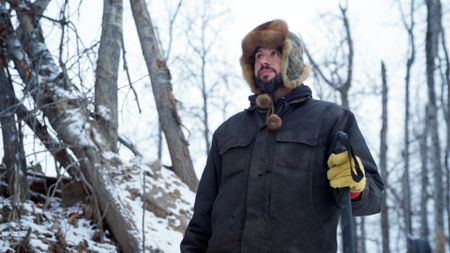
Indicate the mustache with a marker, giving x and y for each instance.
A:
(266, 67)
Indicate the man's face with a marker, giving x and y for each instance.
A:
(267, 64)
(267, 69)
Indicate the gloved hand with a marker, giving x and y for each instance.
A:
(339, 172)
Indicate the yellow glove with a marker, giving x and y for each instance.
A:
(339, 172)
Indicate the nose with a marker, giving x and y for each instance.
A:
(264, 60)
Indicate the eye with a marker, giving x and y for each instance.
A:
(258, 56)
(276, 53)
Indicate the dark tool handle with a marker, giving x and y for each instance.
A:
(346, 221)
(342, 144)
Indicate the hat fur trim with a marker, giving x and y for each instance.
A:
(273, 34)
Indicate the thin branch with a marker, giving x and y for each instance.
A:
(349, 41)
(317, 68)
(130, 83)
(130, 146)
(171, 25)
(143, 213)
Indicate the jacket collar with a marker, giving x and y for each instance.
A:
(298, 95)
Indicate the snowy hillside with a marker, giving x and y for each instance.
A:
(160, 212)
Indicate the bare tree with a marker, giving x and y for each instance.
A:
(203, 70)
(107, 72)
(164, 98)
(446, 111)
(66, 113)
(172, 18)
(340, 79)
(434, 14)
(14, 158)
(424, 171)
(56, 148)
(383, 159)
(335, 79)
(406, 189)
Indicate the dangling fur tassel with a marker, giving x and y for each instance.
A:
(263, 101)
(273, 122)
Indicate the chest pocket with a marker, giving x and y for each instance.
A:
(236, 154)
(296, 148)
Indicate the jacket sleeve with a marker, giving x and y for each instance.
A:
(371, 199)
(198, 232)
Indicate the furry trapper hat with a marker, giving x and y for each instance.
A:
(275, 34)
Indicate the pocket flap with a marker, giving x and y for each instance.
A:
(298, 136)
(234, 143)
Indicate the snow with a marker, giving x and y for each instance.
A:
(104, 112)
(163, 233)
(76, 126)
(55, 226)
(67, 227)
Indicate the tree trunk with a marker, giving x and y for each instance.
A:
(107, 72)
(14, 155)
(363, 236)
(423, 145)
(349, 77)
(67, 114)
(56, 148)
(383, 159)
(205, 105)
(406, 188)
(343, 89)
(165, 101)
(431, 48)
(160, 142)
(446, 82)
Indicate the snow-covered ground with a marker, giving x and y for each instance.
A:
(55, 228)
(49, 229)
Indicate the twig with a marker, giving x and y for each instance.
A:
(23, 244)
(58, 151)
(171, 23)
(143, 214)
(55, 185)
(125, 67)
(130, 146)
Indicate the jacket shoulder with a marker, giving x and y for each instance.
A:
(329, 108)
(240, 124)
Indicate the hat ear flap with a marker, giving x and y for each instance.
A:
(285, 51)
(294, 70)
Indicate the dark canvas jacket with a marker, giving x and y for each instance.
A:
(267, 191)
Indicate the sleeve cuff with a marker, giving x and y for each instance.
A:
(355, 195)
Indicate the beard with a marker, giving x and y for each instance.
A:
(269, 86)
